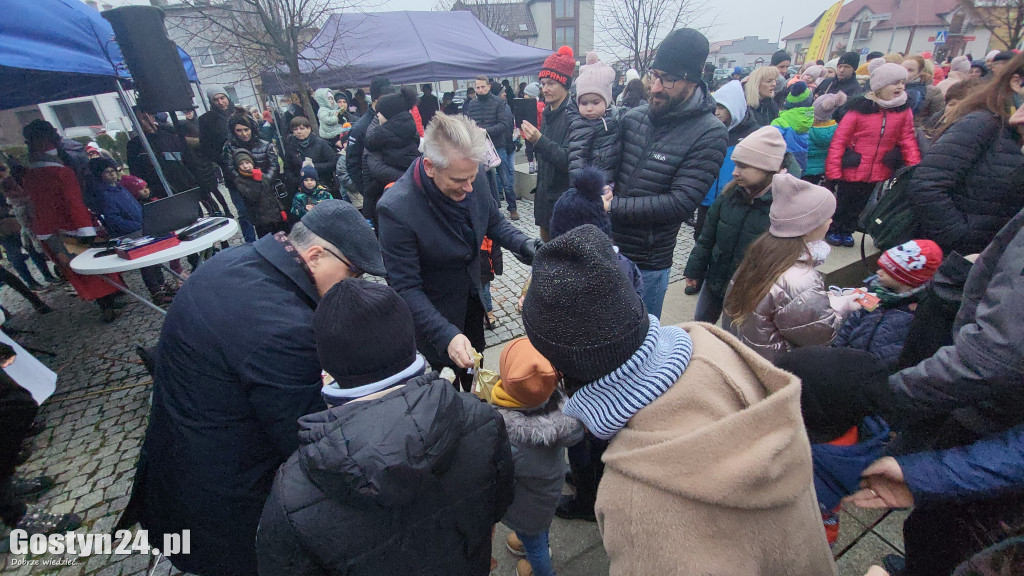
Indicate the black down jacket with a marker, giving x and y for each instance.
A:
(388, 151)
(552, 162)
(969, 183)
(488, 111)
(410, 483)
(594, 143)
(666, 170)
(263, 153)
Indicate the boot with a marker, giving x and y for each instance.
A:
(513, 215)
(161, 298)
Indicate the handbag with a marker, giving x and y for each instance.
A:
(491, 158)
(888, 216)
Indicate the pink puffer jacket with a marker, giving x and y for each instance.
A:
(798, 311)
(872, 132)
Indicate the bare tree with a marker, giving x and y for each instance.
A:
(498, 16)
(260, 34)
(632, 29)
(1003, 18)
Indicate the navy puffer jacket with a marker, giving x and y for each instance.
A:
(968, 185)
(409, 483)
(667, 168)
(881, 332)
(594, 143)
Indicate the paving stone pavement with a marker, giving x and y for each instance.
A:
(96, 420)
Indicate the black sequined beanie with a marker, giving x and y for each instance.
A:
(581, 311)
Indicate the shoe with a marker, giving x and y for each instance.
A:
(848, 240)
(570, 509)
(515, 545)
(31, 487)
(691, 290)
(491, 322)
(894, 564)
(120, 302)
(523, 568)
(533, 167)
(834, 238)
(513, 215)
(162, 298)
(39, 522)
(109, 315)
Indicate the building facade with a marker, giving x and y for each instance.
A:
(546, 24)
(908, 26)
(747, 52)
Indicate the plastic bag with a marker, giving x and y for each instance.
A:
(483, 380)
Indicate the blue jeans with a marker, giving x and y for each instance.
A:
(537, 552)
(486, 296)
(505, 179)
(655, 285)
(248, 230)
(13, 246)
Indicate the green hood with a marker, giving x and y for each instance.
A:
(799, 119)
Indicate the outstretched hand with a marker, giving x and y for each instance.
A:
(530, 132)
(882, 486)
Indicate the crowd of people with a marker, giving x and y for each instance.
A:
(304, 429)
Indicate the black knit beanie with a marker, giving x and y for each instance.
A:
(380, 86)
(780, 56)
(364, 333)
(834, 381)
(851, 58)
(391, 105)
(682, 53)
(581, 311)
(98, 165)
(581, 204)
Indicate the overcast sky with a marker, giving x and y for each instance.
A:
(736, 18)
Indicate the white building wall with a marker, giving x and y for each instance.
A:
(586, 31)
(541, 12)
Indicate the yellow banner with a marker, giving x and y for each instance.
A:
(823, 33)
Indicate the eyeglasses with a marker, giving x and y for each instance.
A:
(355, 271)
(667, 80)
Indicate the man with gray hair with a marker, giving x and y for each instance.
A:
(236, 366)
(432, 223)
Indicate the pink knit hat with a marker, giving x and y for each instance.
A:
(886, 75)
(960, 64)
(597, 79)
(763, 149)
(798, 207)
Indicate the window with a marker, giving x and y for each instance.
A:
(565, 8)
(76, 114)
(523, 28)
(565, 35)
(863, 30)
(27, 116)
(207, 56)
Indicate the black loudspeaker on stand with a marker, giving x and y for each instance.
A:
(152, 58)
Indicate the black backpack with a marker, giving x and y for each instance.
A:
(888, 216)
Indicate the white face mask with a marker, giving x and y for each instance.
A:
(819, 250)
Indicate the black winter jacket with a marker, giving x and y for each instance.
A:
(766, 111)
(969, 183)
(323, 155)
(236, 367)
(851, 87)
(176, 160)
(263, 153)
(733, 222)
(552, 152)
(261, 202)
(430, 260)
(388, 151)
(213, 134)
(354, 150)
(594, 143)
(491, 113)
(409, 483)
(666, 170)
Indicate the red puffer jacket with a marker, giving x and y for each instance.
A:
(872, 132)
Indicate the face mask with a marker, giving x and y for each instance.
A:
(819, 250)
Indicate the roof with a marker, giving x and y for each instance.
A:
(509, 19)
(905, 13)
(746, 45)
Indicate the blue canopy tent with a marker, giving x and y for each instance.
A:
(406, 47)
(57, 49)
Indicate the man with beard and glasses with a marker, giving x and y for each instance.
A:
(672, 150)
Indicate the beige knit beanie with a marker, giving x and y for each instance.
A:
(763, 149)
(798, 207)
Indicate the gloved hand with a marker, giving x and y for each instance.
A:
(528, 251)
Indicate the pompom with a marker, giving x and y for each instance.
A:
(566, 51)
(798, 88)
(589, 182)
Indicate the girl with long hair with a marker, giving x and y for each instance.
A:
(777, 301)
(968, 185)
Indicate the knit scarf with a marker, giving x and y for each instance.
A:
(303, 144)
(607, 404)
(894, 103)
